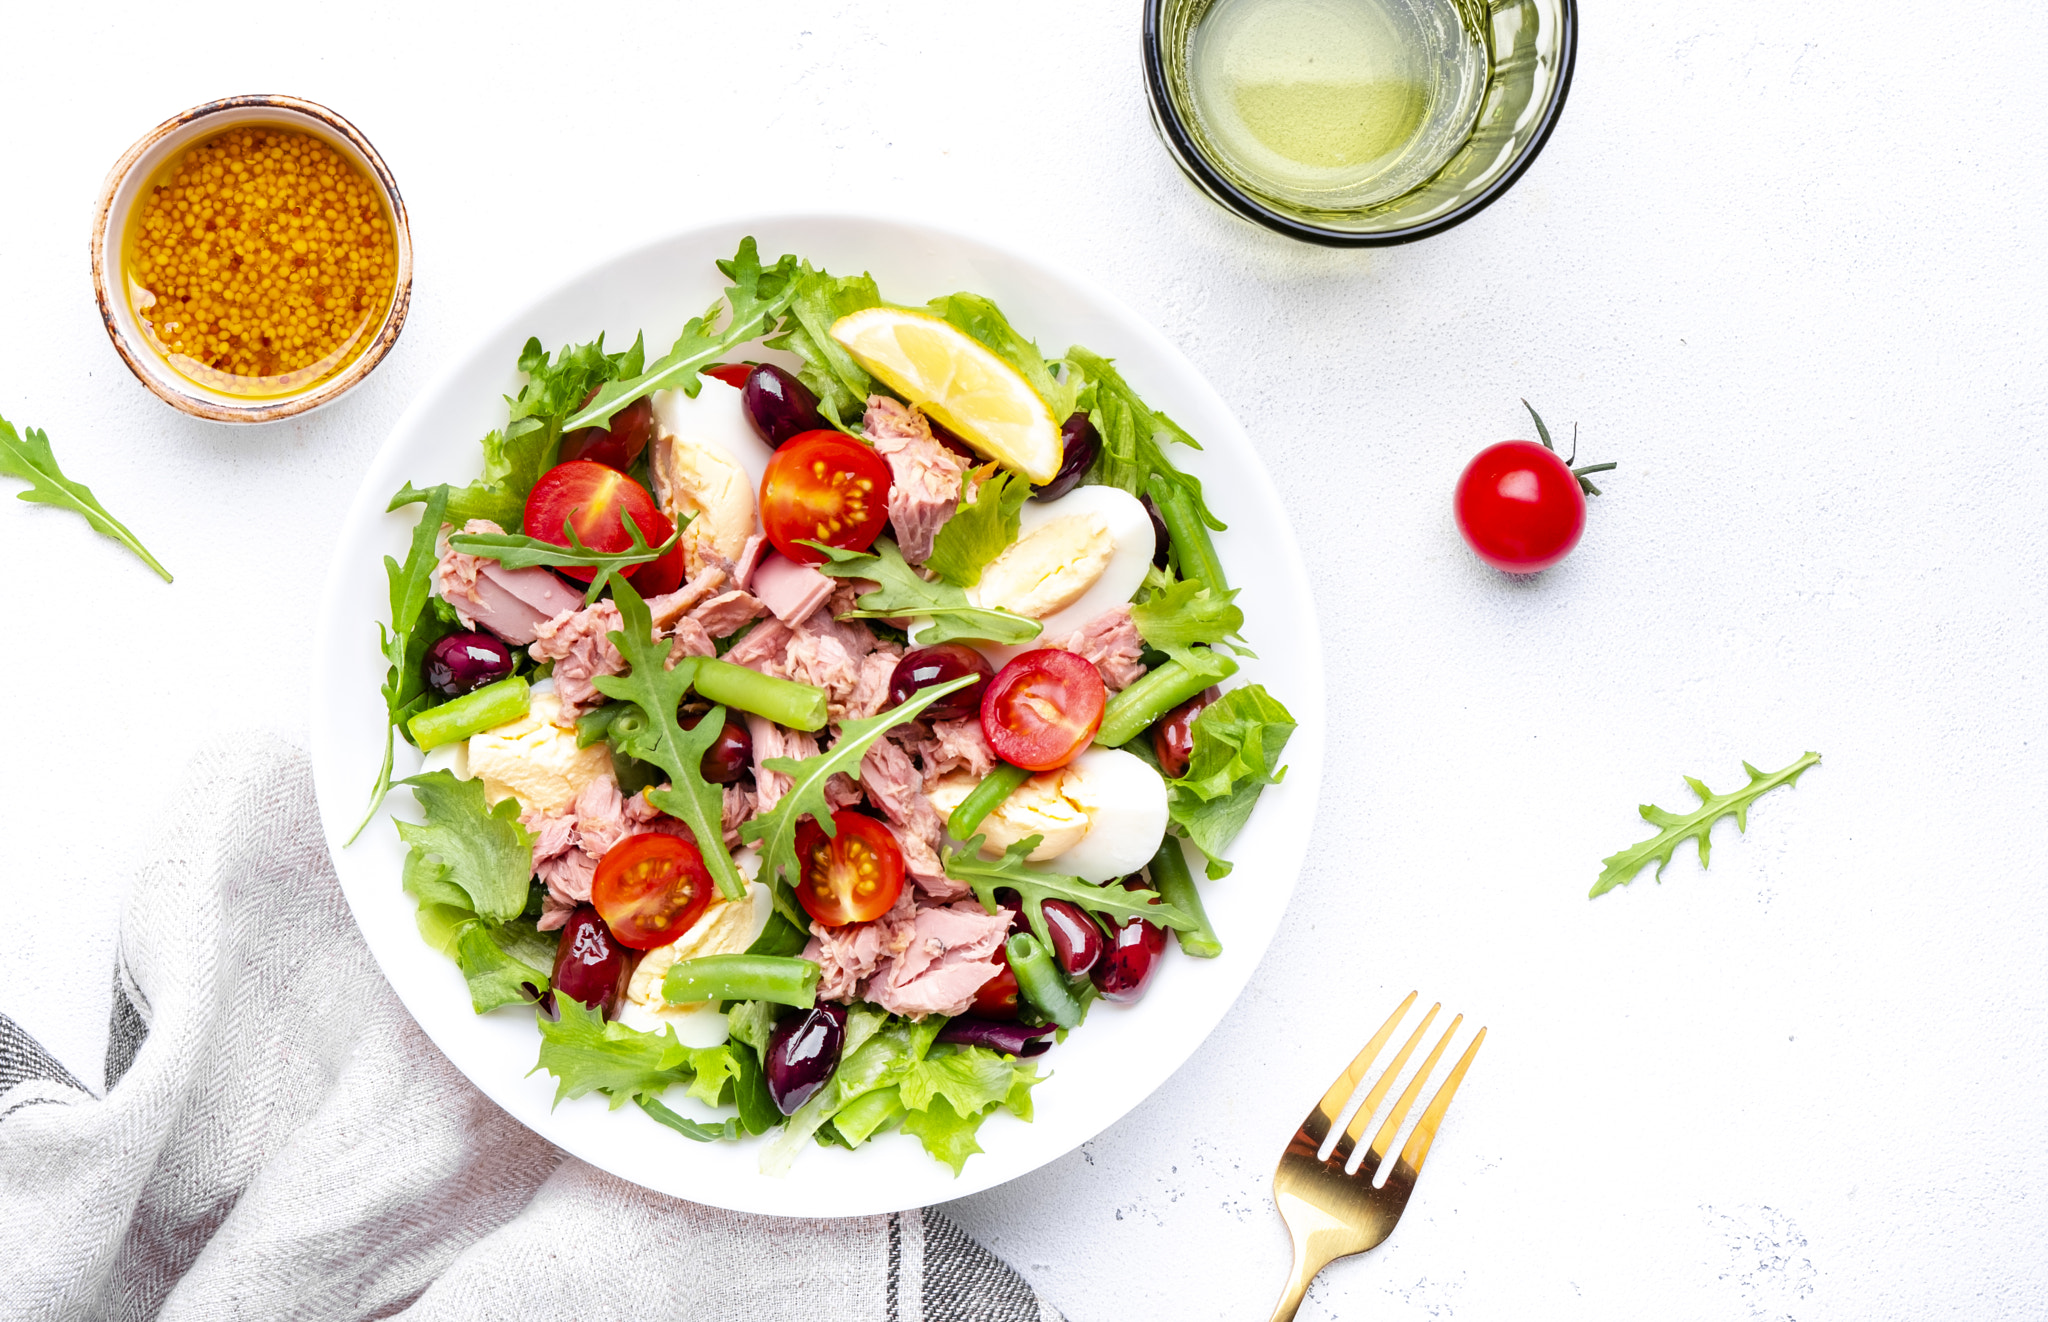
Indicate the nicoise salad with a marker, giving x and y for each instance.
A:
(819, 738)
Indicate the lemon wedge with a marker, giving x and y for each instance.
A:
(955, 378)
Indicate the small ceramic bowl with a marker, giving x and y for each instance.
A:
(127, 182)
(1530, 48)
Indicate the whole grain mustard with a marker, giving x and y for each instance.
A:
(262, 261)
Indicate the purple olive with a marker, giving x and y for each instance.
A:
(1076, 941)
(1134, 951)
(1079, 442)
(922, 667)
(1010, 1039)
(802, 1053)
(779, 405)
(590, 964)
(617, 445)
(1162, 544)
(463, 662)
(731, 755)
(1173, 737)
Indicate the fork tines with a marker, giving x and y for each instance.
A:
(1315, 1129)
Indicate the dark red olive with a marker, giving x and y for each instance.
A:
(1162, 545)
(998, 997)
(1134, 951)
(1076, 941)
(1079, 442)
(802, 1053)
(922, 667)
(590, 964)
(779, 405)
(730, 756)
(1008, 1038)
(947, 437)
(619, 445)
(464, 662)
(1173, 736)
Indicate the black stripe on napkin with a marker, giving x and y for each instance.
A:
(964, 1282)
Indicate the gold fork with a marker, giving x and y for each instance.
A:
(1330, 1214)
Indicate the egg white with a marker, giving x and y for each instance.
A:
(718, 415)
(1130, 532)
(1126, 803)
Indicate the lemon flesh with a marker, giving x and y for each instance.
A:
(951, 376)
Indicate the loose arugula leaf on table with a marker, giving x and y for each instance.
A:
(841, 385)
(1176, 618)
(518, 551)
(516, 456)
(658, 691)
(1237, 745)
(899, 591)
(1675, 828)
(1134, 437)
(404, 684)
(986, 876)
(30, 459)
(755, 299)
(987, 520)
(776, 829)
(981, 319)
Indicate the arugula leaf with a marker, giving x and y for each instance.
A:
(658, 692)
(756, 297)
(483, 851)
(1133, 436)
(985, 876)
(899, 591)
(1237, 743)
(980, 528)
(981, 319)
(1621, 869)
(841, 384)
(518, 551)
(776, 829)
(404, 682)
(29, 458)
(689, 1128)
(1188, 612)
(515, 457)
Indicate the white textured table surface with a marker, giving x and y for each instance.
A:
(1782, 262)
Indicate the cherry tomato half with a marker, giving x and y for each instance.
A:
(849, 877)
(826, 487)
(733, 374)
(651, 888)
(999, 996)
(1519, 507)
(1041, 710)
(595, 500)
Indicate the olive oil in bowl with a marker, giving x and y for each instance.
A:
(1336, 105)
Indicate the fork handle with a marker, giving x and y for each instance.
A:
(1306, 1265)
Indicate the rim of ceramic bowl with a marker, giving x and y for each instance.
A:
(150, 366)
(1181, 145)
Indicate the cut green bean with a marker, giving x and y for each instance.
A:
(595, 726)
(869, 1114)
(1176, 886)
(741, 978)
(1155, 694)
(1041, 981)
(996, 786)
(473, 713)
(1189, 535)
(783, 701)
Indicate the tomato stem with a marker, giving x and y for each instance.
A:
(1580, 473)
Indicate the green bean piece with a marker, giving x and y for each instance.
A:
(869, 1114)
(741, 978)
(1176, 886)
(1155, 694)
(1041, 982)
(1189, 535)
(473, 713)
(595, 726)
(784, 701)
(996, 786)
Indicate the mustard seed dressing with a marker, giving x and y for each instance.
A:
(261, 261)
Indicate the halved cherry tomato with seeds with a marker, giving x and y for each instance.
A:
(651, 888)
(823, 486)
(1041, 710)
(595, 500)
(849, 877)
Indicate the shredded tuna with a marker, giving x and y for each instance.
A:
(894, 786)
(739, 809)
(792, 591)
(924, 476)
(690, 639)
(847, 955)
(669, 607)
(949, 956)
(960, 745)
(1112, 643)
(871, 685)
(580, 645)
(821, 651)
(455, 575)
(511, 603)
(841, 790)
(750, 557)
(725, 614)
(772, 740)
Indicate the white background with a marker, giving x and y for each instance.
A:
(1780, 261)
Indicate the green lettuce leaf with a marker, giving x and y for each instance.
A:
(1178, 617)
(973, 1079)
(981, 319)
(1133, 436)
(484, 850)
(899, 591)
(496, 975)
(980, 528)
(841, 385)
(1237, 745)
(945, 1133)
(586, 1054)
(30, 459)
(752, 1021)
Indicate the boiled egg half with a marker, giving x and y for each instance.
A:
(1073, 559)
(1102, 815)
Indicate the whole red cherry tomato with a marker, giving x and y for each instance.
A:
(651, 888)
(1522, 508)
(595, 500)
(1041, 710)
(851, 876)
(733, 374)
(823, 486)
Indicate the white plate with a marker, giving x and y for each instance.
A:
(1100, 1072)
